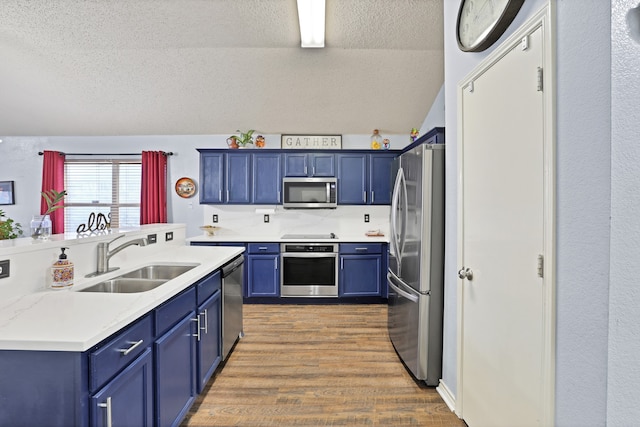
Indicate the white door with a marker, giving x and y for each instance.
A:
(502, 236)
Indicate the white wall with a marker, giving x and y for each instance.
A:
(583, 202)
(623, 390)
(19, 162)
(435, 116)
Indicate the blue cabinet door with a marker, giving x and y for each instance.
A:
(127, 400)
(352, 179)
(212, 178)
(209, 345)
(238, 178)
(267, 178)
(360, 275)
(295, 164)
(175, 372)
(380, 178)
(322, 164)
(263, 275)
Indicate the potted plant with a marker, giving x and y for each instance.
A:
(235, 141)
(41, 226)
(9, 229)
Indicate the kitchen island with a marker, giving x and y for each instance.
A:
(78, 358)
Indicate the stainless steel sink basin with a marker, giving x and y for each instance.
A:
(141, 280)
(121, 285)
(161, 272)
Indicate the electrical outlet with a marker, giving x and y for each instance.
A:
(168, 236)
(366, 217)
(152, 238)
(215, 218)
(266, 218)
(4, 268)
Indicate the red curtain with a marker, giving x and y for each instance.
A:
(153, 203)
(53, 179)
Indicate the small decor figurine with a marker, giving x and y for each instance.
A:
(386, 144)
(414, 134)
(376, 140)
(235, 141)
(260, 142)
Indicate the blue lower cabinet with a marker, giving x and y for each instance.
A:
(175, 372)
(263, 275)
(209, 344)
(360, 275)
(127, 400)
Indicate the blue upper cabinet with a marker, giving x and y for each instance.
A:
(352, 179)
(380, 179)
(238, 178)
(267, 178)
(364, 178)
(211, 177)
(255, 176)
(309, 164)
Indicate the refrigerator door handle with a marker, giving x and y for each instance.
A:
(391, 278)
(394, 214)
(405, 219)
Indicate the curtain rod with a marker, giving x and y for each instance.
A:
(40, 153)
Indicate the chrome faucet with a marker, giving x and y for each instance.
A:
(104, 254)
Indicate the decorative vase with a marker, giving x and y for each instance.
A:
(41, 227)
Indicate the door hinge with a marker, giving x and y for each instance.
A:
(539, 79)
(540, 266)
(471, 86)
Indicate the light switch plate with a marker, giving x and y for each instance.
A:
(215, 218)
(366, 217)
(4, 268)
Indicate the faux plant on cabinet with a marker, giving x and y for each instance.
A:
(9, 229)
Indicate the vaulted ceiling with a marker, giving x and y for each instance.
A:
(174, 67)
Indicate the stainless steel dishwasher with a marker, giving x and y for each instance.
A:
(232, 279)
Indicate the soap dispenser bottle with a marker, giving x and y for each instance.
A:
(62, 272)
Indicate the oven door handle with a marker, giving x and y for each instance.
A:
(309, 255)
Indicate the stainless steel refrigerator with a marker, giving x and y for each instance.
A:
(416, 260)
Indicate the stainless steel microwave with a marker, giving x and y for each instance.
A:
(309, 193)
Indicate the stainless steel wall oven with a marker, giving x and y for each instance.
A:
(309, 270)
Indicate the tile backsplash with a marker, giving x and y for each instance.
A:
(248, 220)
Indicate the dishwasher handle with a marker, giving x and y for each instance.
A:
(232, 266)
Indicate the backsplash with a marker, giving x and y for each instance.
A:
(243, 220)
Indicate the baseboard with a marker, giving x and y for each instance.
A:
(447, 396)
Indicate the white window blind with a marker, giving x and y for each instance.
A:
(111, 187)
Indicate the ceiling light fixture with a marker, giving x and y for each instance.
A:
(311, 17)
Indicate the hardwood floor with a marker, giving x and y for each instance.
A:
(316, 365)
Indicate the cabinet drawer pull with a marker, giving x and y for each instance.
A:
(364, 197)
(361, 249)
(107, 406)
(262, 248)
(373, 196)
(134, 344)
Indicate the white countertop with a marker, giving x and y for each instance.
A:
(68, 320)
(230, 236)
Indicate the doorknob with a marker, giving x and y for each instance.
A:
(465, 273)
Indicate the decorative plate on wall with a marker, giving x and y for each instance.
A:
(185, 187)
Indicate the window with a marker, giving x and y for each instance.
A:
(111, 187)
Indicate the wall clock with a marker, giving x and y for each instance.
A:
(482, 22)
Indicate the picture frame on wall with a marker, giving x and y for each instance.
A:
(7, 196)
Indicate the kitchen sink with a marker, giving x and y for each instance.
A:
(141, 280)
(121, 285)
(160, 271)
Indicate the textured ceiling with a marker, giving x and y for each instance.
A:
(172, 67)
